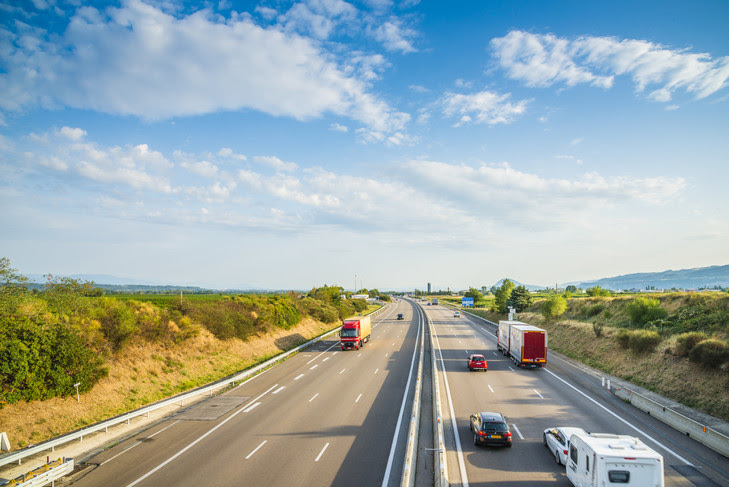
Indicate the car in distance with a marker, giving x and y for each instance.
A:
(490, 429)
(400, 316)
(456, 314)
(476, 361)
(557, 441)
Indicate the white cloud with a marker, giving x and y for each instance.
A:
(138, 60)
(545, 60)
(485, 107)
(74, 134)
(276, 163)
(394, 36)
(205, 169)
(338, 128)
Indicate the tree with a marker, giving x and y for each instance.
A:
(501, 296)
(473, 293)
(11, 281)
(520, 299)
(571, 289)
(554, 306)
(644, 310)
(597, 291)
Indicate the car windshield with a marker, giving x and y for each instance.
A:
(495, 427)
(348, 333)
(477, 358)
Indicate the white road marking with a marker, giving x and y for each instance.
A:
(387, 354)
(313, 366)
(298, 376)
(335, 353)
(138, 442)
(257, 448)
(511, 368)
(496, 354)
(537, 393)
(314, 397)
(358, 397)
(327, 358)
(517, 431)
(376, 370)
(490, 389)
(623, 420)
(321, 452)
(252, 407)
(279, 390)
(360, 354)
(211, 431)
(340, 373)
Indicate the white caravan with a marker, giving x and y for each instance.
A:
(602, 460)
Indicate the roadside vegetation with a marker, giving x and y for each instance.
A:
(675, 344)
(137, 348)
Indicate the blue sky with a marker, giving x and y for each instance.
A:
(295, 144)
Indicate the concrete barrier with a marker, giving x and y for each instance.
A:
(411, 455)
(699, 432)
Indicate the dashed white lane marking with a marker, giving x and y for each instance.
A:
(387, 354)
(491, 389)
(257, 448)
(358, 398)
(342, 371)
(517, 431)
(327, 358)
(537, 393)
(279, 390)
(322, 452)
(376, 370)
(511, 369)
(251, 407)
(313, 366)
(314, 397)
(298, 376)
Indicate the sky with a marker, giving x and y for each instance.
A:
(375, 143)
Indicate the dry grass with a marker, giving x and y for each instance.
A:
(144, 374)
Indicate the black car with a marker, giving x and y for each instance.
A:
(400, 316)
(490, 429)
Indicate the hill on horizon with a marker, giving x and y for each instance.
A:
(685, 279)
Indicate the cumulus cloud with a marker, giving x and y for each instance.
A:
(545, 60)
(140, 60)
(276, 163)
(394, 36)
(484, 107)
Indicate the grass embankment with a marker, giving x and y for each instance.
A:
(661, 370)
(145, 373)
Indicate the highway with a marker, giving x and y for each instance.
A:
(536, 399)
(322, 417)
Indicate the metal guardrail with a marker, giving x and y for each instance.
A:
(47, 474)
(410, 462)
(19, 455)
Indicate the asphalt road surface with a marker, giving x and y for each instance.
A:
(322, 417)
(535, 399)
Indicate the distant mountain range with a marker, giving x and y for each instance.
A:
(688, 279)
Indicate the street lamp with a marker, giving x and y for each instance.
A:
(76, 386)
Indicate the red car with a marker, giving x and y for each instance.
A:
(477, 362)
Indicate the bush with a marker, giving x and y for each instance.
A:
(597, 291)
(594, 310)
(643, 340)
(597, 328)
(644, 310)
(687, 341)
(554, 306)
(623, 337)
(711, 353)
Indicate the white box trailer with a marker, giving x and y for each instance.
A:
(602, 460)
(502, 335)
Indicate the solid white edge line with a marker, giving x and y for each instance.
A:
(322, 452)
(257, 448)
(161, 465)
(623, 420)
(459, 450)
(391, 457)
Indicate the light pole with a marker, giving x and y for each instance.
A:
(78, 399)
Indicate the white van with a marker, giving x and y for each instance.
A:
(602, 460)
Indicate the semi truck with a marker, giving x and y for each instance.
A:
(525, 344)
(355, 332)
(435, 301)
(597, 459)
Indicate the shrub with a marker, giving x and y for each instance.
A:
(554, 306)
(644, 310)
(594, 310)
(643, 340)
(623, 337)
(597, 291)
(597, 328)
(710, 353)
(687, 341)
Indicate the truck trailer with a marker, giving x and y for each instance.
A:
(599, 459)
(502, 335)
(527, 345)
(355, 332)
